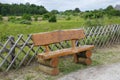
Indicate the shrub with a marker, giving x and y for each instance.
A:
(25, 22)
(52, 18)
(95, 22)
(26, 17)
(46, 16)
(12, 19)
(35, 17)
(1, 18)
(68, 18)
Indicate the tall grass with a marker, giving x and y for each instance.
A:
(9, 28)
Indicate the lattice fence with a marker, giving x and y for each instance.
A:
(17, 52)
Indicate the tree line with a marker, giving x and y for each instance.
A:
(20, 9)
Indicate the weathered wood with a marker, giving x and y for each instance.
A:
(11, 45)
(47, 50)
(50, 62)
(57, 36)
(48, 70)
(86, 61)
(64, 52)
(85, 54)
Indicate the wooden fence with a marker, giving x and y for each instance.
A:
(18, 52)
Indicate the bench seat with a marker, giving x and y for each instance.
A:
(64, 52)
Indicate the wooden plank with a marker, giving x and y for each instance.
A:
(50, 62)
(85, 54)
(57, 36)
(47, 50)
(64, 52)
(48, 70)
(86, 61)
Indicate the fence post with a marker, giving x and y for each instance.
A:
(13, 51)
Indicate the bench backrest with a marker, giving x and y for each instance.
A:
(57, 36)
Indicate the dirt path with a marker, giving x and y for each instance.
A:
(105, 72)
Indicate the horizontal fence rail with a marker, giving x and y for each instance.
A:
(15, 53)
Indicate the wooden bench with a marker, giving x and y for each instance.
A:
(49, 59)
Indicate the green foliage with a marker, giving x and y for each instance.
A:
(36, 17)
(68, 18)
(52, 18)
(25, 22)
(54, 11)
(26, 17)
(110, 11)
(1, 18)
(12, 18)
(74, 12)
(77, 10)
(20, 9)
(46, 16)
(19, 20)
(95, 23)
(110, 7)
(92, 14)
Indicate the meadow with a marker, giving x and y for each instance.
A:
(9, 28)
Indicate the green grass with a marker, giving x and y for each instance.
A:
(103, 56)
(9, 28)
(44, 26)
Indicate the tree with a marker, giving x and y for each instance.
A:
(77, 10)
(110, 7)
(20, 9)
(112, 11)
(46, 16)
(52, 18)
(54, 11)
(26, 17)
(1, 18)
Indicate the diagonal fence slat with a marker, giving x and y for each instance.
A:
(18, 52)
(15, 53)
(10, 50)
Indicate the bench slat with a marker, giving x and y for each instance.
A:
(57, 36)
(65, 52)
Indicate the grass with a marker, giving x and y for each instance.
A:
(103, 56)
(9, 28)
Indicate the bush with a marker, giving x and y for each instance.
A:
(68, 18)
(95, 23)
(52, 18)
(46, 16)
(12, 19)
(35, 17)
(25, 22)
(1, 18)
(26, 17)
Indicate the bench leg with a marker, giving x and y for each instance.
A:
(86, 61)
(83, 57)
(48, 70)
(49, 66)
